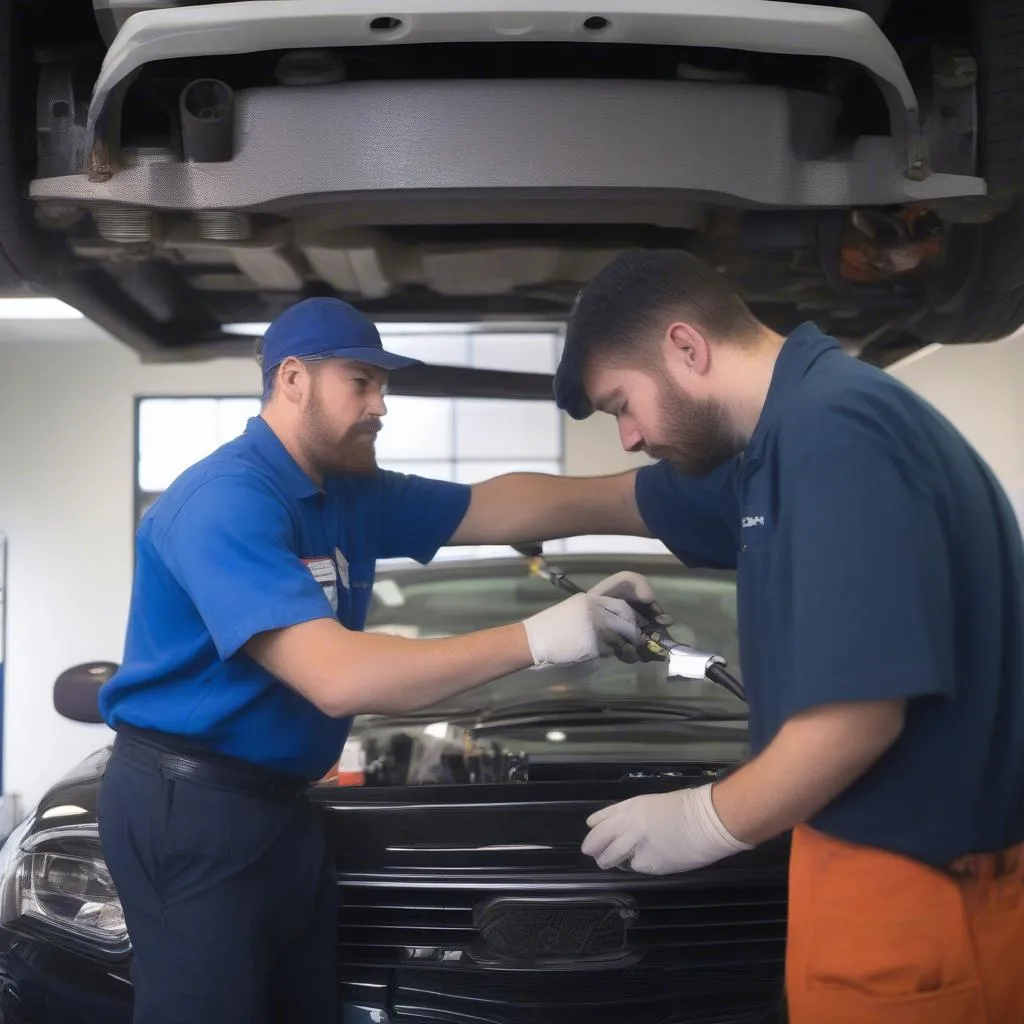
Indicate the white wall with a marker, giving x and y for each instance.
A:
(980, 388)
(66, 480)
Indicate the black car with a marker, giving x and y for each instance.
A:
(175, 168)
(457, 831)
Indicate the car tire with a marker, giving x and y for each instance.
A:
(998, 43)
(980, 295)
(987, 261)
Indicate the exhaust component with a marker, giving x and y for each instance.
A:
(207, 108)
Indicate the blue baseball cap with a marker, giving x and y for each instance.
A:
(326, 328)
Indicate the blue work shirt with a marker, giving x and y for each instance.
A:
(244, 542)
(878, 558)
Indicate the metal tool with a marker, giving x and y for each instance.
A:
(684, 662)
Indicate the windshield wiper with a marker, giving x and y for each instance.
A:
(610, 709)
(432, 714)
(589, 710)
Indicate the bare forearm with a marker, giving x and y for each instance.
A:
(346, 673)
(532, 506)
(815, 757)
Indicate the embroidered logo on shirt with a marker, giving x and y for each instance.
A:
(749, 521)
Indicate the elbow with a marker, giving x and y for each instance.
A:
(346, 706)
(336, 703)
(877, 727)
(336, 706)
(859, 732)
(892, 721)
(337, 709)
(329, 700)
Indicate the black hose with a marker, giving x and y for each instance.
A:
(723, 677)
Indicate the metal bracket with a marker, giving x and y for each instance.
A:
(688, 663)
(765, 26)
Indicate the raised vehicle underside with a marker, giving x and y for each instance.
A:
(197, 166)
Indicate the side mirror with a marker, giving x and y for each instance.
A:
(76, 691)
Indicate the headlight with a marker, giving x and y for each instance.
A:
(58, 880)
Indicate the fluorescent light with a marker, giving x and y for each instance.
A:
(387, 328)
(258, 330)
(439, 730)
(37, 309)
(249, 330)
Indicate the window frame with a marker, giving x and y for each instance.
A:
(139, 497)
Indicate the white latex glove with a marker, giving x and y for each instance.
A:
(661, 833)
(637, 590)
(580, 629)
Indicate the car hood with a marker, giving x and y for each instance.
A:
(546, 740)
(576, 739)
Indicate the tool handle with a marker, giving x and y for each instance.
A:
(655, 639)
(565, 584)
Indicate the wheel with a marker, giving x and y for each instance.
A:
(998, 43)
(985, 279)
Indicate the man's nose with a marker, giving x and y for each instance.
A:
(631, 438)
(378, 407)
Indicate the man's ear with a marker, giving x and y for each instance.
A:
(687, 348)
(290, 377)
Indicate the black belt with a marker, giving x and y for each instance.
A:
(250, 780)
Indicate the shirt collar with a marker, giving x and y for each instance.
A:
(800, 351)
(269, 447)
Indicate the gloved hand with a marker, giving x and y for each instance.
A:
(661, 834)
(580, 629)
(637, 590)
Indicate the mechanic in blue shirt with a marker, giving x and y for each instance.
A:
(881, 619)
(244, 665)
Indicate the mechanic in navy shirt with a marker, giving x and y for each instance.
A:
(244, 665)
(881, 620)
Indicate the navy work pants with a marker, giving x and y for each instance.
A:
(229, 898)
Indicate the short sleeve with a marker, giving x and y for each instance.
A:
(871, 582)
(419, 516)
(229, 547)
(696, 518)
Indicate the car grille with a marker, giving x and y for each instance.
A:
(646, 951)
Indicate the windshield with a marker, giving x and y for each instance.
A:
(702, 605)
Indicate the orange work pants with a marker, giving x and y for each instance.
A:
(876, 938)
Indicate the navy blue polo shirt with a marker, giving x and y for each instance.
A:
(245, 542)
(877, 558)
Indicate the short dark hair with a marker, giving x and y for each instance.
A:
(634, 296)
